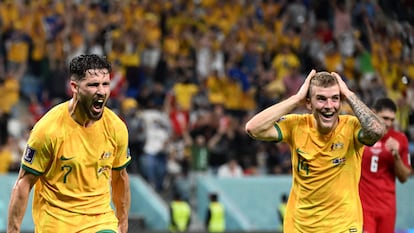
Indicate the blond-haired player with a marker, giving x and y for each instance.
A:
(326, 152)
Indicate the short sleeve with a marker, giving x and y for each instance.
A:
(123, 156)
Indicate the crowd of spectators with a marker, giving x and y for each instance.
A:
(187, 74)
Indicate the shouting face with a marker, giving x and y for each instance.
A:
(92, 93)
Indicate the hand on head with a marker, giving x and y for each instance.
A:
(303, 91)
(345, 92)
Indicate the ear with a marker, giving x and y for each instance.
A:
(73, 86)
(308, 104)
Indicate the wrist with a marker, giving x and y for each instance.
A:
(395, 154)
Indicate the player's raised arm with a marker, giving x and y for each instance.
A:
(373, 128)
(261, 126)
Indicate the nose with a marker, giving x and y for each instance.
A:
(329, 103)
(100, 89)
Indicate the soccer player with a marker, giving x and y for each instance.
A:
(326, 150)
(76, 160)
(381, 164)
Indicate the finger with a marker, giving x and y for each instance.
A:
(305, 86)
(336, 75)
(310, 75)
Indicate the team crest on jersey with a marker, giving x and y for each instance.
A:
(105, 155)
(337, 146)
(338, 161)
(104, 170)
(29, 154)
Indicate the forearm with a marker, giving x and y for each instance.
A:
(402, 172)
(121, 197)
(17, 207)
(372, 126)
(261, 125)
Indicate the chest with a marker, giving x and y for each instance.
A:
(316, 154)
(85, 148)
(378, 157)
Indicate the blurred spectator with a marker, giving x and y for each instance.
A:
(182, 184)
(178, 159)
(221, 144)
(118, 85)
(281, 210)
(342, 19)
(39, 104)
(230, 169)
(279, 159)
(196, 146)
(292, 81)
(6, 157)
(246, 150)
(9, 97)
(131, 114)
(157, 137)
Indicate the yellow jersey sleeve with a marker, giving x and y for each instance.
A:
(122, 156)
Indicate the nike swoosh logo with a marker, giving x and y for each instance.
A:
(63, 158)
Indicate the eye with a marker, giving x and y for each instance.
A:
(93, 84)
(321, 98)
(388, 118)
(336, 98)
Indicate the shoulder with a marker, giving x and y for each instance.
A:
(295, 118)
(397, 134)
(52, 118)
(113, 122)
(349, 119)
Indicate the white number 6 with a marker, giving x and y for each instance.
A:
(374, 163)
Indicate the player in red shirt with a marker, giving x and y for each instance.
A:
(381, 164)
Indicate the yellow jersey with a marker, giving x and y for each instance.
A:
(74, 163)
(326, 168)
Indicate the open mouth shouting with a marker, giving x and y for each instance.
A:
(97, 107)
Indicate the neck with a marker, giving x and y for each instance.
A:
(77, 115)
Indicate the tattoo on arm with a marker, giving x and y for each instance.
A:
(372, 126)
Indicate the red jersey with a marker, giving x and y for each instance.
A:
(377, 183)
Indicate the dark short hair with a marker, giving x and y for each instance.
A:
(80, 64)
(213, 196)
(384, 103)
